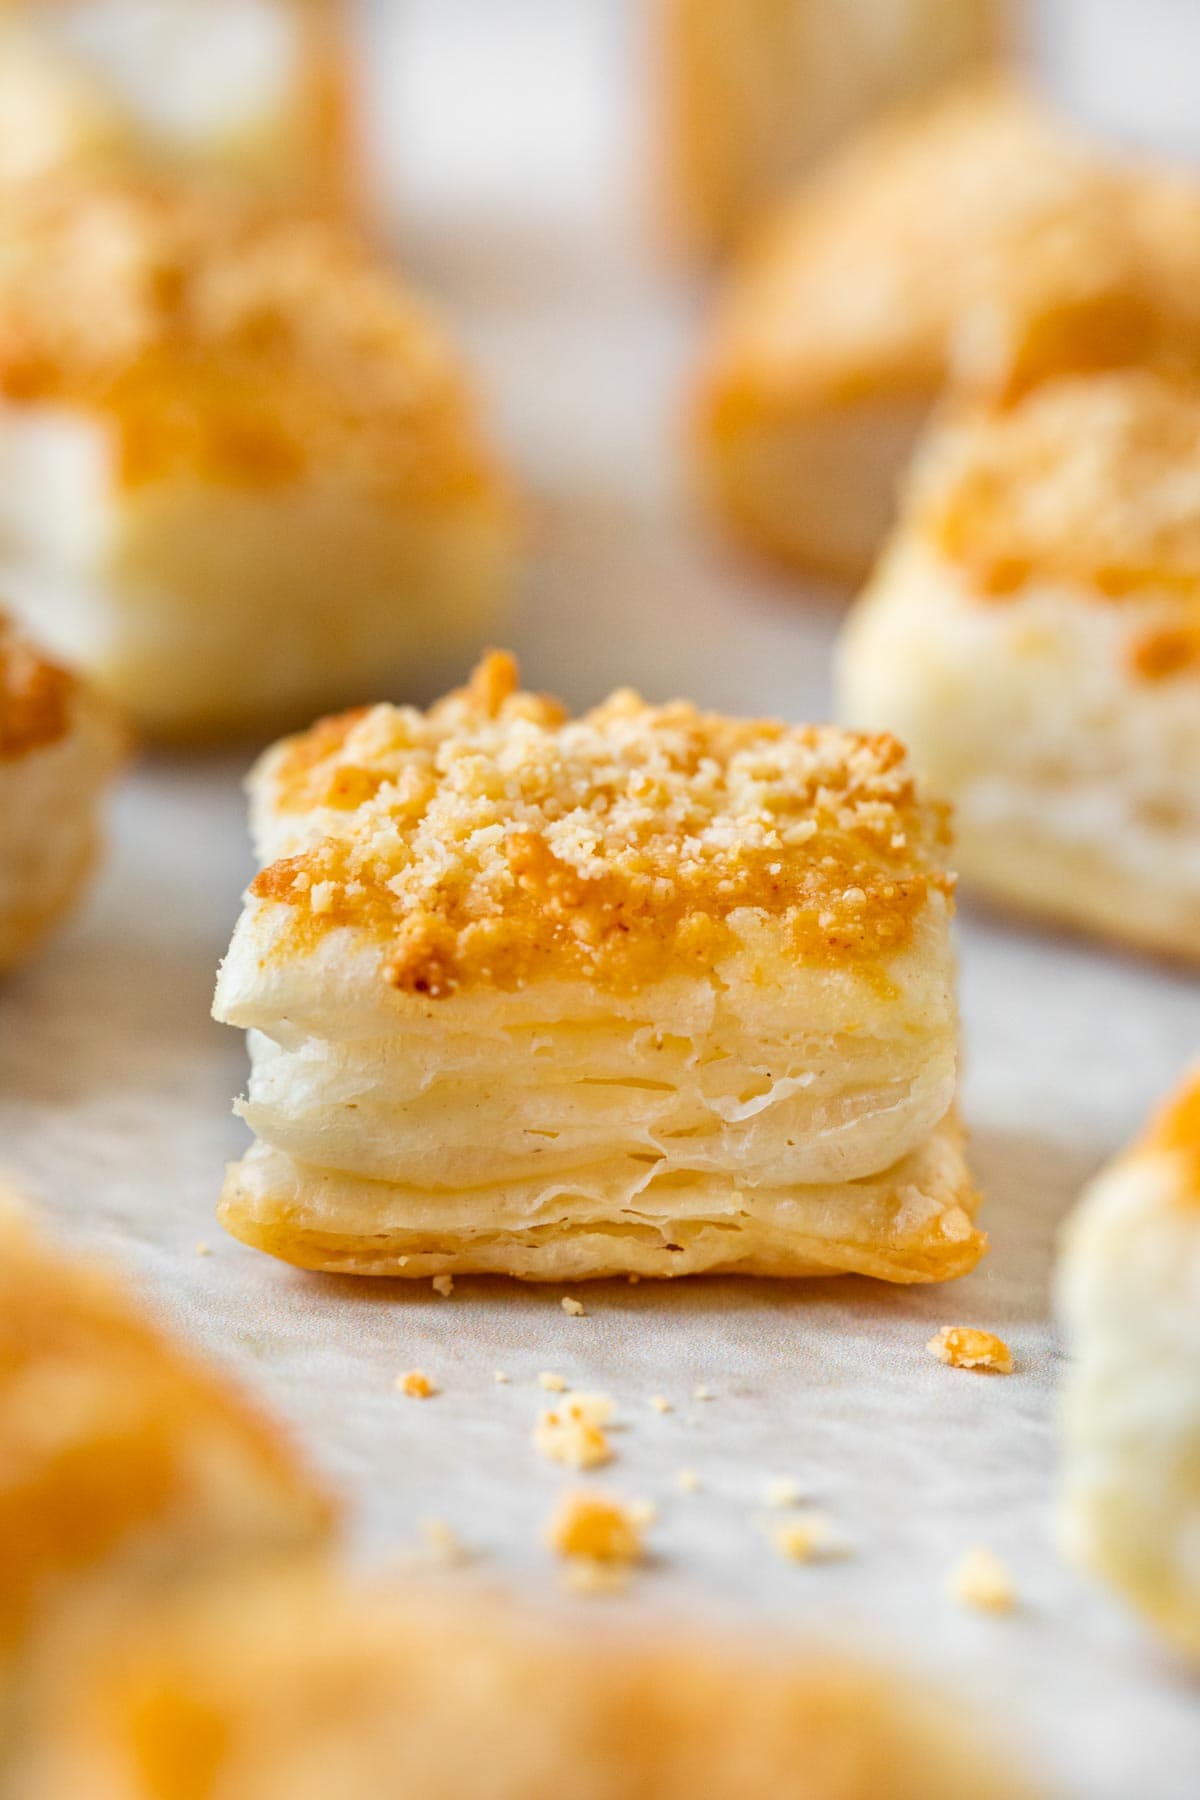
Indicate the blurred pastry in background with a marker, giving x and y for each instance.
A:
(172, 1623)
(649, 991)
(1033, 633)
(975, 240)
(243, 474)
(1129, 1294)
(126, 1462)
(60, 745)
(256, 91)
(754, 91)
(299, 1686)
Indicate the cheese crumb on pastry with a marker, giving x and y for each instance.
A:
(1129, 1297)
(648, 991)
(1033, 633)
(242, 472)
(257, 92)
(124, 1459)
(976, 239)
(60, 746)
(754, 90)
(966, 1347)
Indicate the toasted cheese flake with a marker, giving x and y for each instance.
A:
(783, 1491)
(493, 842)
(980, 1580)
(700, 1392)
(967, 1347)
(660, 1403)
(574, 1308)
(443, 1285)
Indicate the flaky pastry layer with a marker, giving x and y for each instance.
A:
(911, 1222)
(648, 990)
(1129, 1291)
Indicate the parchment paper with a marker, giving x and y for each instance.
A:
(115, 1086)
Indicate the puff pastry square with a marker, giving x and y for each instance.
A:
(1034, 635)
(975, 240)
(254, 91)
(648, 991)
(60, 746)
(1129, 1292)
(754, 90)
(242, 470)
(300, 1688)
(124, 1459)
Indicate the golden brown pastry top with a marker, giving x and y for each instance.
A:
(1092, 483)
(114, 1444)
(976, 234)
(224, 339)
(493, 838)
(36, 695)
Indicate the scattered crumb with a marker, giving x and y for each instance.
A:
(416, 1384)
(661, 1404)
(966, 1347)
(442, 1544)
(687, 1481)
(570, 1435)
(575, 1308)
(596, 1529)
(806, 1539)
(500, 1378)
(203, 1249)
(700, 1392)
(644, 1513)
(783, 1491)
(593, 1409)
(439, 1546)
(553, 1384)
(583, 1576)
(980, 1579)
(443, 1285)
